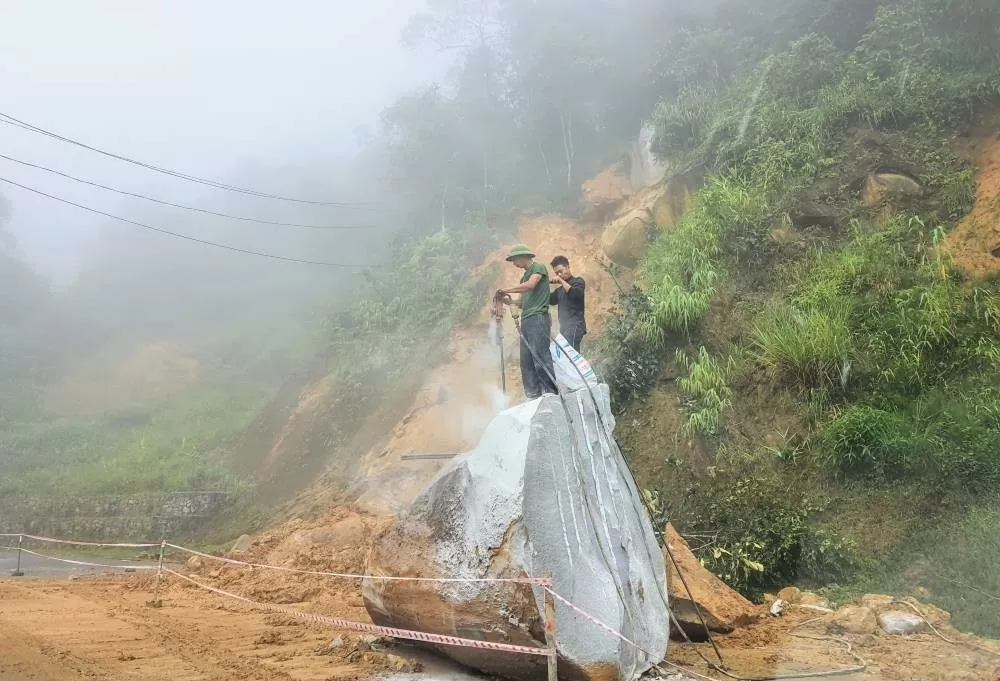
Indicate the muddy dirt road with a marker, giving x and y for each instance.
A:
(102, 629)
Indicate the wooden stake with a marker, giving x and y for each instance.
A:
(17, 571)
(156, 602)
(550, 633)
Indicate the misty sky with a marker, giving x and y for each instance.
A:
(204, 86)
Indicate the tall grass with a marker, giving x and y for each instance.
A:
(809, 348)
(681, 269)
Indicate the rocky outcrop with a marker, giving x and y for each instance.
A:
(722, 608)
(674, 199)
(645, 169)
(546, 492)
(852, 619)
(626, 239)
(886, 185)
(604, 193)
(812, 214)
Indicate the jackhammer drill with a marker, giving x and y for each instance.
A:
(496, 311)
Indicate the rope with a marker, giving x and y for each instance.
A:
(178, 235)
(70, 542)
(86, 564)
(373, 628)
(939, 634)
(16, 122)
(536, 581)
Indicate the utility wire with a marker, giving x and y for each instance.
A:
(179, 205)
(18, 123)
(182, 236)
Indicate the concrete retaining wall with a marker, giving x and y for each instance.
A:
(135, 517)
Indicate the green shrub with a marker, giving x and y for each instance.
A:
(416, 301)
(765, 535)
(680, 124)
(632, 363)
(706, 392)
(956, 429)
(866, 442)
(826, 556)
(930, 332)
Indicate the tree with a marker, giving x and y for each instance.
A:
(474, 30)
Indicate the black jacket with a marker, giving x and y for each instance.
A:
(571, 305)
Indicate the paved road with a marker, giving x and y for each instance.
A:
(33, 566)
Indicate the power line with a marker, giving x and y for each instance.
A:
(182, 236)
(18, 123)
(179, 205)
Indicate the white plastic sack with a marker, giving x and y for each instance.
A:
(573, 371)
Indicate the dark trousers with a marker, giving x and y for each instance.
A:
(537, 372)
(573, 333)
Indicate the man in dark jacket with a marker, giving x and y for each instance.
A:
(569, 296)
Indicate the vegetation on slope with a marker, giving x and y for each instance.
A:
(859, 325)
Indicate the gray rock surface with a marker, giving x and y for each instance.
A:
(901, 623)
(545, 492)
(645, 169)
(244, 543)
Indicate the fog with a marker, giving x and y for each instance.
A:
(277, 98)
(415, 115)
(220, 89)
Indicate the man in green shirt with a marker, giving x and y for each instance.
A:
(537, 372)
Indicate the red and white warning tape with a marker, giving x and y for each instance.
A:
(537, 581)
(372, 628)
(611, 630)
(599, 623)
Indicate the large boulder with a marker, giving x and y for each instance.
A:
(605, 192)
(722, 608)
(546, 492)
(626, 239)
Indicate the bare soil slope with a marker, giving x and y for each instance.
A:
(975, 243)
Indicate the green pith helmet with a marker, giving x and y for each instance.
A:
(520, 251)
